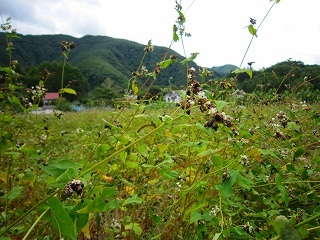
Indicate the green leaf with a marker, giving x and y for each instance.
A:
(166, 63)
(195, 217)
(16, 100)
(217, 161)
(167, 174)
(135, 227)
(282, 189)
(103, 202)
(6, 69)
(175, 35)
(284, 229)
(252, 30)
(299, 152)
(14, 193)
(60, 219)
(67, 90)
(226, 186)
(238, 231)
(80, 220)
(189, 59)
(216, 236)
(68, 175)
(240, 70)
(132, 199)
(293, 126)
(268, 152)
(57, 168)
(245, 182)
(182, 19)
(279, 223)
(220, 105)
(135, 88)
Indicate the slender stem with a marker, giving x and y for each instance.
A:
(221, 212)
(63, 66)
(244, 56)
(34, 224)
(29, 211)
(308, 220)
(126, 147)
(187, 191)
(284, 79)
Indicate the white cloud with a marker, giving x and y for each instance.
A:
(217, 27)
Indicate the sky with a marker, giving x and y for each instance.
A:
(218, 28)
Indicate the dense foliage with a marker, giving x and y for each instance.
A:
(219, 164)
(284, 78)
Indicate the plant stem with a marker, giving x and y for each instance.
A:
(245, 54)
(317, 215)
(29, 211)
(34, 224)
(126, 147)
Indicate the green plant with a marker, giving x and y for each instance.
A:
(206, 169)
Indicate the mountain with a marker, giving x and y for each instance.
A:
(223, 70)
(100, 57)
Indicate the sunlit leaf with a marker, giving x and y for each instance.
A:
(252, 30)
(166, 63)
(293, 126)
(60, 219)
(6, 69)
(67, 90)
(106, 178)
(240, 70)
(189, 59)
(220, 105)
(135, 227)
(134, 86)
(132, 199)
(182, 19)
(216, 236)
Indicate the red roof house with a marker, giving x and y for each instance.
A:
(48, 98)
(51, 96)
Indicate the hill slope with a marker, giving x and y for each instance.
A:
(99, 57)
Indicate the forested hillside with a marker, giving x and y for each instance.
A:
(97, 57)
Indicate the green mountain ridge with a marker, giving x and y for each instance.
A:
(100, 57)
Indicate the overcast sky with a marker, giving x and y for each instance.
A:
(217, 27)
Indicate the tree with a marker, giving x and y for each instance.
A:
(106, 93)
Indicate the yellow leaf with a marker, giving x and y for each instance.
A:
(108, 179)
(135, 88)
(129, 190)
(168, 134)
(86, 229)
